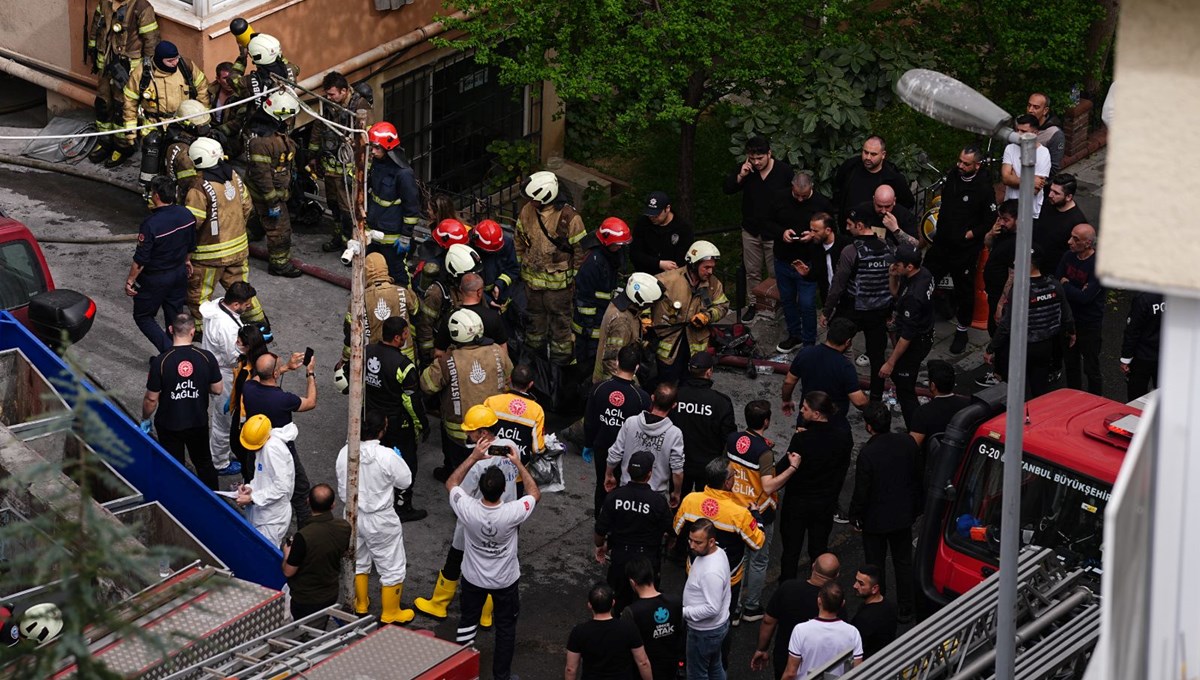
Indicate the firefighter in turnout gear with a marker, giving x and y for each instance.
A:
(270, 67)
(123, 34)
(625, 321)
(272, 162)
(443, 297)
(154, 92)
(598, 278)
(392, 388)
(221, 204)
(394, 205)
(383, 300)
(693, 300)
(548, 248)
(472, 370)
(332, 154)
(522, 419)
(429, 257)
(500, 265)
(177, 164)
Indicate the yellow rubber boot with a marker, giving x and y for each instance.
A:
(485, 617)
(392, 613)
(437, 604)
(361, 602)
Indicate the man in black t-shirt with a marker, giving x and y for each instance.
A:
(1001, 242)
(876, 619)
(312, 559)
(187, 375)
(932, 417)
(793, 603)
(1060, 214)
(605, 648)
(659, 619)
(263, 395)
(825, 368)
(660, 237)
(471, 291)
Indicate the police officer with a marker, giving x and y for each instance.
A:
(625, 323)
(123, 34)
(912, 285)
(221, 205)
(549, 231)
(272, 161)
(522, 419)
(473, 369)
(392, 388)
(341, 105)
(154, 92)
(693, 299)
(611, 402)
(499, 255)
(705, 416)
(598, 278)
(158, 276)
(383, 300)
(380, 537)
(394, 207)
(1139, 347)
(632, 522)
(860, 291)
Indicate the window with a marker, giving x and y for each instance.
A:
(20, 275)
(1060, 509)
(206, 8)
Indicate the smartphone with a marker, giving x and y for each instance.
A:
(137, 286)
(308, 355)
(495, 450)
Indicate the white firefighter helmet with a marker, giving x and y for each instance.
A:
(281, 105)
(264, 49)
(205, 152)
(462, 259)
(41, 622)
(195, 112)
(465, 326)
(643, 289)
(701, 251)
(542, 186)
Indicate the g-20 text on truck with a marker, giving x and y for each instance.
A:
(1074, 444)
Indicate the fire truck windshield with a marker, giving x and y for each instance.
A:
(1060, 509)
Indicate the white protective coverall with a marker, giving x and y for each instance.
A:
(220, 337)
(270, 510)
(470, 484)
(380, 535)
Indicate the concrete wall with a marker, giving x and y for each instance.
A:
(35, 28)
(1148, 240)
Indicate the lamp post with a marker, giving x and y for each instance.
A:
(949, 101)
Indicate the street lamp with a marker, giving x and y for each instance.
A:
(949, 101)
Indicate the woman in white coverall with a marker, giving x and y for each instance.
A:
(381, 472)
(267, 498)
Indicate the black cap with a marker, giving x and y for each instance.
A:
(908, 254)
(702, 361)
(863, 212)
(656, 202)
(640, 464)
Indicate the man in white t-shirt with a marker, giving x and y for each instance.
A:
(818, 641)
(490, 565)
(1010, 170)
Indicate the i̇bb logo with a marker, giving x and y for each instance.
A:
(517, 407)
(185, 369)
(742, 445)
(709, 507)
(616, 398)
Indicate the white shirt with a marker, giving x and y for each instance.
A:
(220, 332)
(490, 535)
(380, 470)
(1012, 158)
(818, 641)
(707, 591)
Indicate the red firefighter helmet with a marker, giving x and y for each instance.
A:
(384, 135)
(489, 236)
(614, 232)
(449, 232)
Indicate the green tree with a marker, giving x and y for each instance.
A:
(641, 62)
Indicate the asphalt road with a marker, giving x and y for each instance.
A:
(556, 551)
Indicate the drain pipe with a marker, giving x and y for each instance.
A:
(57, 85)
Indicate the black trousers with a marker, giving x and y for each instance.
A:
(798, 520)
(873, 325)
(904, 376)
(300, 507)
(1142, 372)
(195, 441)
(620, 556)
(507, 607)
(161, 290)
(1085, 351)
(405, 439)
(1039, 358)
(453, 453)
(993, 297)
(899, 542)
(960, 266)
(452, 569)
(303, 609)
(600, 461)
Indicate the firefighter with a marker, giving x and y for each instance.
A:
(267, 498)
(598, 277)
(472, 370)
(693, 299)
(624, 321)
(500, 266)
(177, 164)
(547, 240)
(221, 204)
(123, 34)
(380, 538)
(443, 297)
(522, 419)
(383, 300)
(327, 143)
(272, 161)
(154, 92)
(270, 66)
(394, 207)
(429, 257)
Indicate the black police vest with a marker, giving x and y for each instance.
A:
(1045, 309)
(382, 363)
(871, 290)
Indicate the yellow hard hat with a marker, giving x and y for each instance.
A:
(255, 432)
(478, 417)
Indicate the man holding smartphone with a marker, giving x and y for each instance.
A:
(760, 177)
(796, 254)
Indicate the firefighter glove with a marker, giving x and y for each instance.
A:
(403, 243)
(700, 319)
(647, 324)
